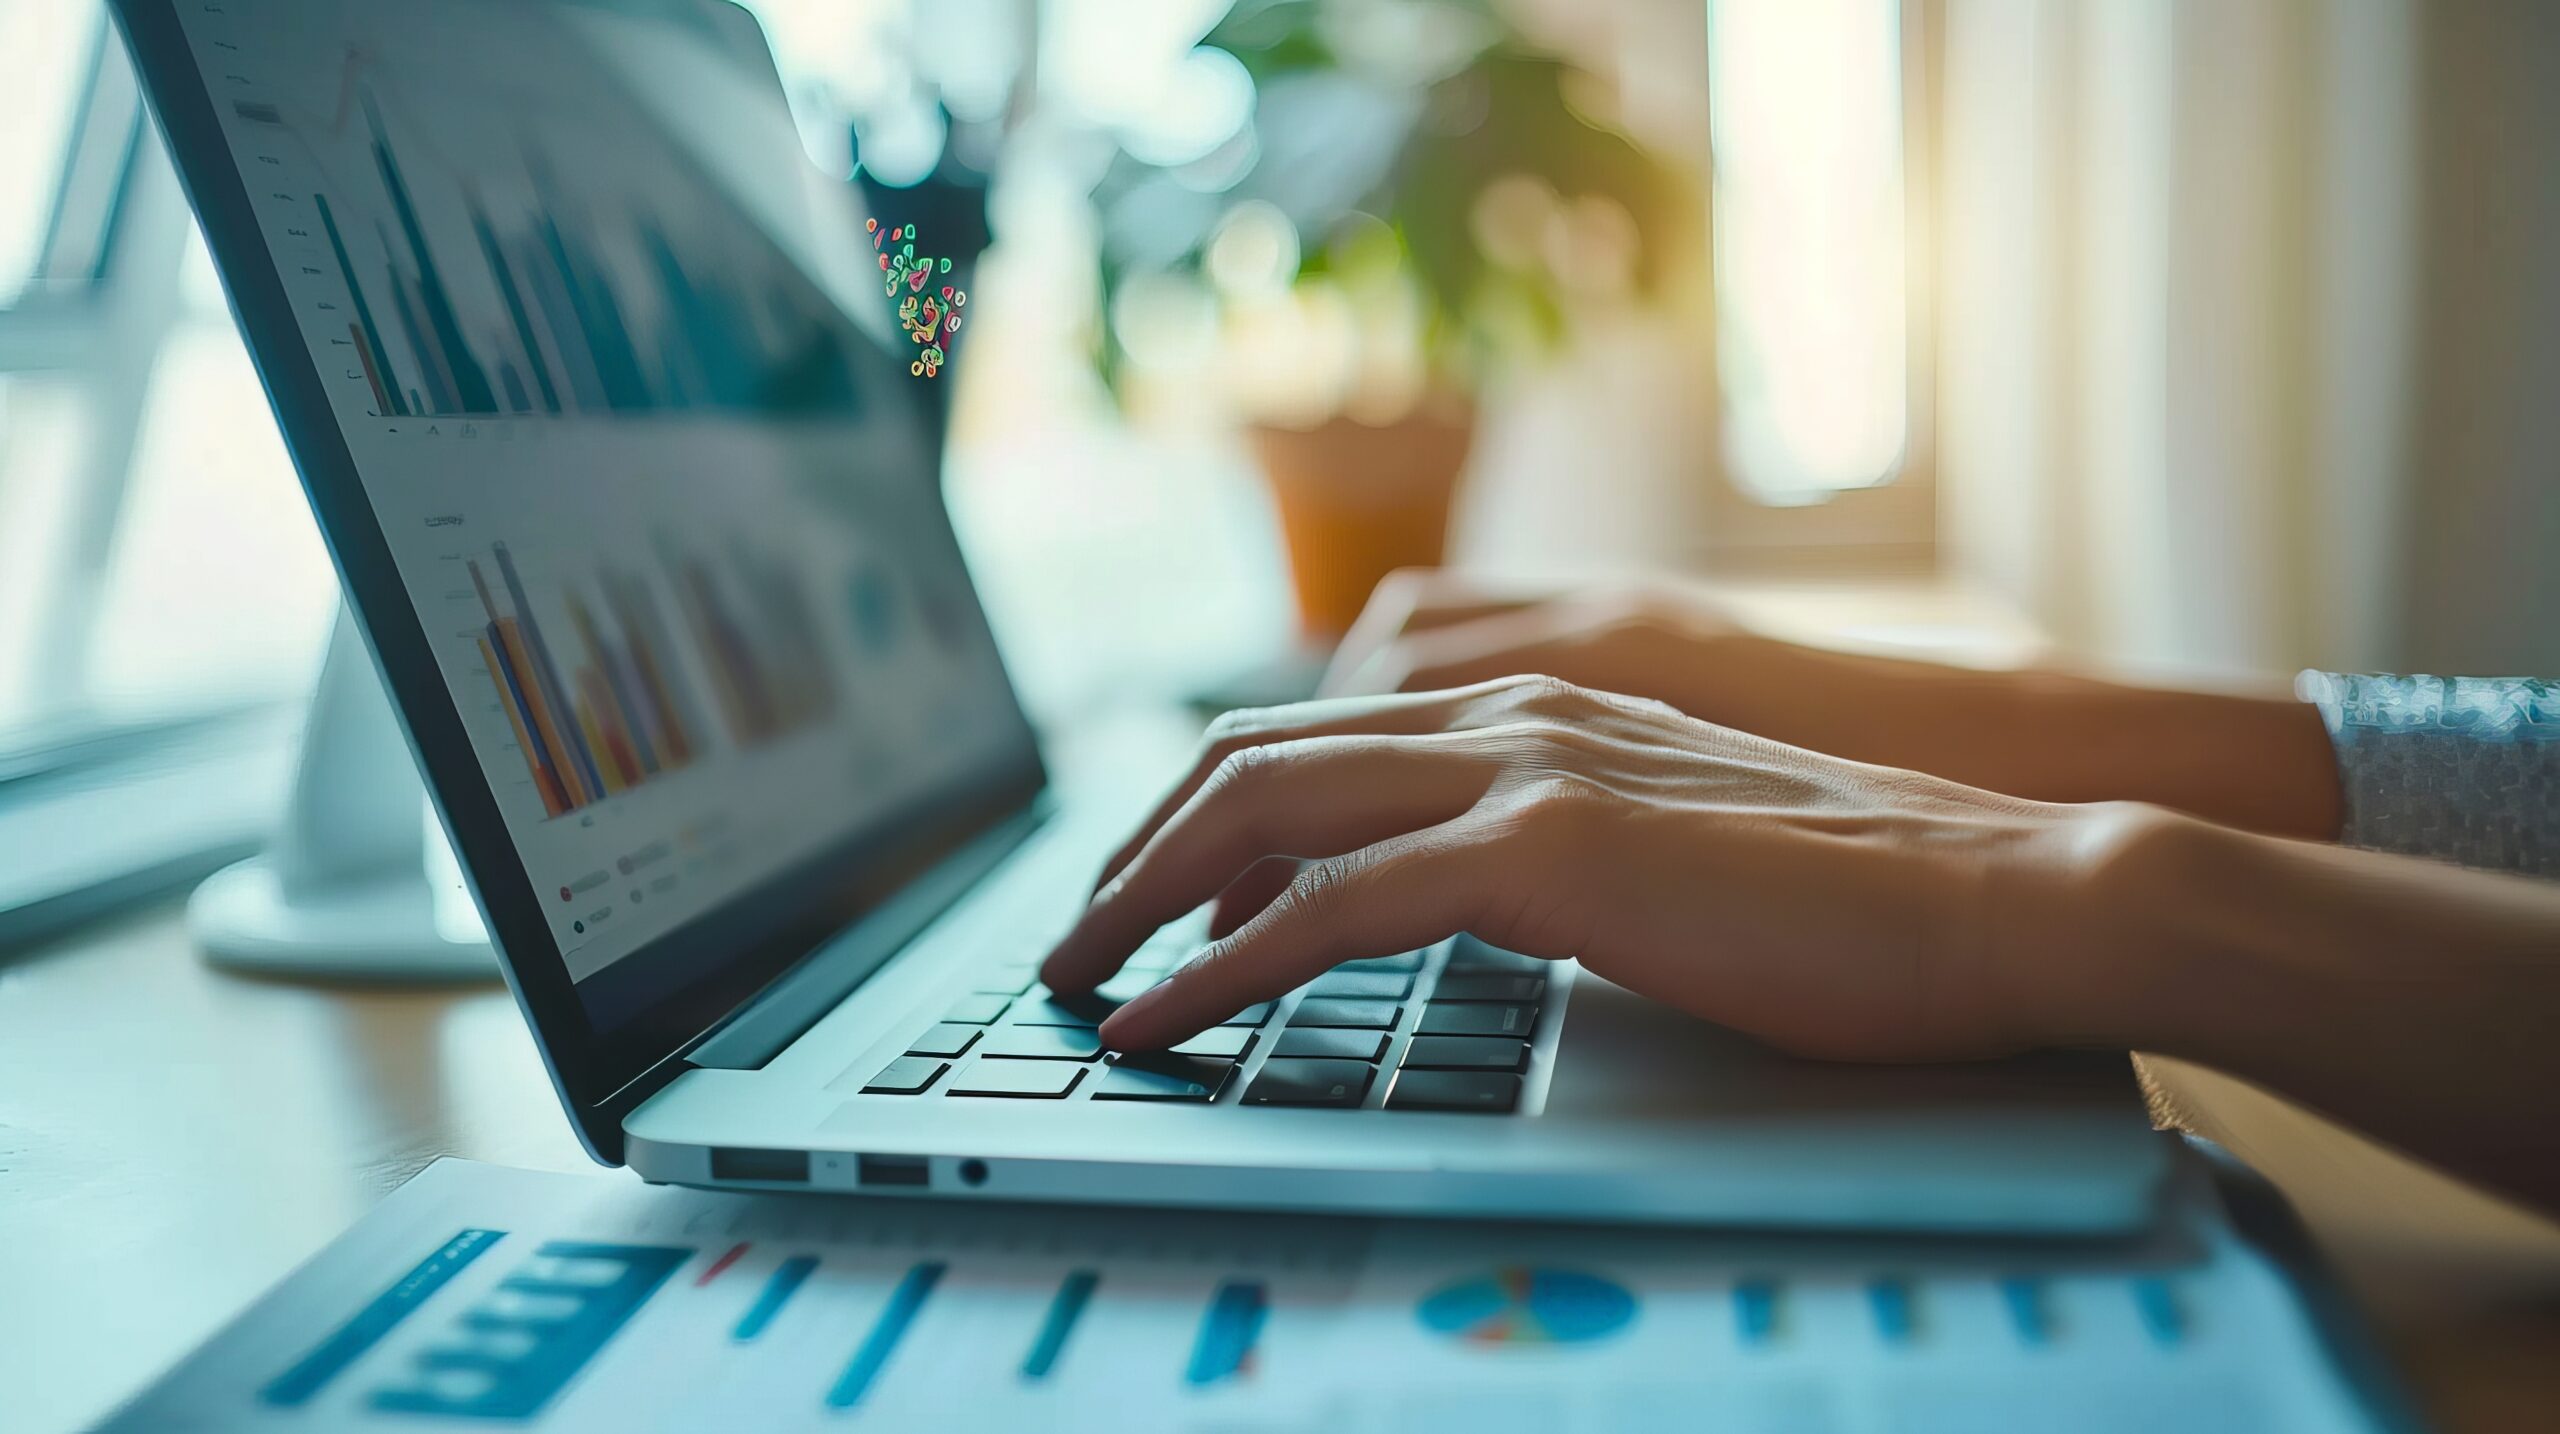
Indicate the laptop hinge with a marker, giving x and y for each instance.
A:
(802, 996)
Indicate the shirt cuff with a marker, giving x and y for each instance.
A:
(2464, 769)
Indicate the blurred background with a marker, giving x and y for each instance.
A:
(2218, 338)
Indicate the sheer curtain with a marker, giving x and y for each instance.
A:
(2250, 327)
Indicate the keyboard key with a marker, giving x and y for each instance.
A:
(1371, 1015)
(1332, 1045)
(944, 1040)
(976, 1011)
(1469, 1018)
(1470, 1053)
(1470, 954)
(1409, 962)
(1252, 1016)
(1334, 1083)
(1481, 1091)
(1029, 1080)
(1004, 982)
(1489, 988)
(1224, 1042)
(1159, 1077)
(1085, 1011)
(1364, 985)
(1126, 986)
(1042, 1043)
(905, 1076)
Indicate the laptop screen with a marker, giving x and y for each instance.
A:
(648, 446)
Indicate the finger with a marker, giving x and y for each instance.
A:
(1237, 731)
(1245, 896)
(1412, 600)
(1318, 797)
(1398, 895)
(1542, 639)
(1366, 658)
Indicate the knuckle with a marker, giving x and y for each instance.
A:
(1241, 767)
(1533, 693)
(1233, 725)
(1320, 889)
(1643, 706)
(1402, 590)
(1553, 801)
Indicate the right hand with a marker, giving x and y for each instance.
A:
(1832, 908)
(1430, 630)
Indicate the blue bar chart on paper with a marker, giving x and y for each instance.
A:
(479, 1297)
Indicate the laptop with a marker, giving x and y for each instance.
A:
(630, 473)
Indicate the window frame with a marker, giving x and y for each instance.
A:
(104, 300)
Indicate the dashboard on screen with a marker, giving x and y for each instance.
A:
(662, 497)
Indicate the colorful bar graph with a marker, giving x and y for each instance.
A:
(905, 1303)
(1228, 1333)
(593, 693)
(351, 1341)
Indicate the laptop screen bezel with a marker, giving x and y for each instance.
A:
(599, 1072)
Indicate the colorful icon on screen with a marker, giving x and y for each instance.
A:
(1516, 1305)
(929, 313)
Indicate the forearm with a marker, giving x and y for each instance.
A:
(2264, 764)
(2417, 1001)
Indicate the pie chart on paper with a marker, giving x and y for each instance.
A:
(1518, 1304)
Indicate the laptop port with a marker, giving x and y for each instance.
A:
(776, 1165)
(909, 1170)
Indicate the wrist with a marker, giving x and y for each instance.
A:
(2086, 929)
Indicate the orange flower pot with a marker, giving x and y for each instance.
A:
(1358, 501)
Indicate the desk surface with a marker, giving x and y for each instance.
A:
(173, 1140)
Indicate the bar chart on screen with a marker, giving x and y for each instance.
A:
(452, 267)
(604, 685)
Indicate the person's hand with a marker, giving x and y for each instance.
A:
(1427, 629)
(1430, 629)
(1831, 908)
(2259, 761)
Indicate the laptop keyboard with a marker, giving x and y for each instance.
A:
(1449, 1028)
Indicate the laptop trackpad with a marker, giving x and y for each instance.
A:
(1624, 1056)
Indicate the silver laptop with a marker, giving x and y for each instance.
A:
(629, 468)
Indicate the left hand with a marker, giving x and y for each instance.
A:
(1832, 908)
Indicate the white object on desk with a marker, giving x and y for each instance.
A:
(356, 885)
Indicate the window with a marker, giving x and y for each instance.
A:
(163, 594)
(1806, 100)
(156, 561)
(1818, 180)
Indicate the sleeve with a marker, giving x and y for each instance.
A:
(2464, 769)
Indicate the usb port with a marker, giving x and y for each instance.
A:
(779, 1165)
(908, 1170)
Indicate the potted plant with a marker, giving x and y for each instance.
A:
(1416, 204)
